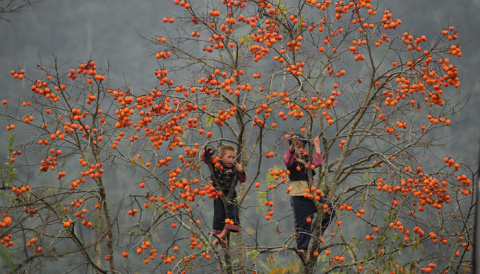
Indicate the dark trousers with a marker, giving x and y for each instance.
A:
(302, 209)
(222, 211)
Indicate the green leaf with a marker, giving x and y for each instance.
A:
(415, 245)
(412, 267)
(6, 258)
(281, 7)
(368, 254)
(209, 121)
(250, 230)
(423, 250)
(299, 26)
(269, 178)
(246, 40)
(274, 271)
(261, 196)
(253, 254)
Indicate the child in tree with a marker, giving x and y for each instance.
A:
(225, 177)
(303, 207)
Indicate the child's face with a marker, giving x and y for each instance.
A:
(228, 159)
(299, 149)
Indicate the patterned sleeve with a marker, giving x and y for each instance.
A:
(289, 159)
(242, 176)
(317, 159)
(205, 157)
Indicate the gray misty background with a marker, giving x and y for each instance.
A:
(108, 32)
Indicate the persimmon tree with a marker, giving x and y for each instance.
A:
(117, 180)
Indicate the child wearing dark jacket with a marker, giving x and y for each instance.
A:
(225, 177)
(303, 207)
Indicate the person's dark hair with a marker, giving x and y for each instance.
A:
(300, 138)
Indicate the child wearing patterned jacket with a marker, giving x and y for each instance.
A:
(225, 177)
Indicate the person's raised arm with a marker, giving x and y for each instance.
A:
(317, 157)
(207, 155)
(289, 157)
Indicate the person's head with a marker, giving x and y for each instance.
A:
(227, 155)
(299, 142)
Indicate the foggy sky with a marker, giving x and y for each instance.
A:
(108, 31)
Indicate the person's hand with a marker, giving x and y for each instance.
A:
(212, 150)
(316, 141)
(238, 167)
(294, 139)
(292, 147)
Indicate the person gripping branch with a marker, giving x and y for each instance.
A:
(225, 175)
(303, 207)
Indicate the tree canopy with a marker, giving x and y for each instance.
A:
(249, 74)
